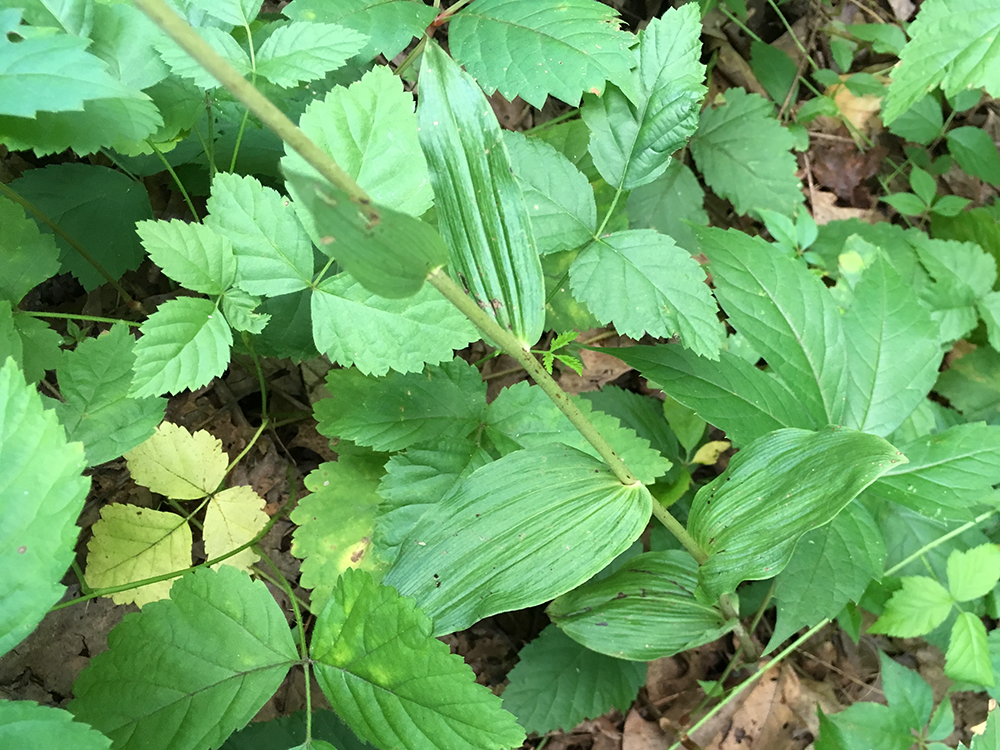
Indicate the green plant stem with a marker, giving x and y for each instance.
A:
(411, 56)
(607, 216)
(791, 31)
(248, 341)
(210, 151)
(72, 316)
(177, 180)
(554, 121)
(42, 217)
(273, 118)
(676, 528)
(249, 446)
(939, 541)
(280, 581)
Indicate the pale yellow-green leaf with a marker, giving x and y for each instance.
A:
(132, 543)
(178, 464)
(709, 453)
(233, 518)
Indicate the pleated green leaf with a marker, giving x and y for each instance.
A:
(188, 671)
(645, 610)
(481, 550)
(782, 485)
(481, 211)
(395, 684)
(41, 495)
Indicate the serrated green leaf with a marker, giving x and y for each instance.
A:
(864, 725)
(191, 254)
(972, 383)
(233, 518)
(184, 344)
(123, 37)
(40, 345)
(371, 131)
(94, 381)
(523, 417)
(389, 252)
(72, 16)
(921, 123)
(336, 522)
(644, 611)
(639, 413)
(183, 65)
(49, 72)
(645, 284)
(184, 673)
(557, 683)
(666, 203)
(951, 46)
(397, 411)
(302, 51)
(26, 724)
(234, 12)
(975, 152)
(909, 696)
(355, 327)
(96, 206)
(391, 24)
(241, 313)
(129, 544)
(786, 313)
(743, 153)
(274, 255)
(831, 566)
(731, 393)
(631, 141)
(393, 683)
(522, 49)
(30, 257)
(919, 606)
(479, 551)
(744, 519)
(559, 197)
(492, 246)
(949, 473)
(179, 464)
(41, 495)
(415, 481)
(977, 225)
(907, 204)
(892, 352)
(968, 657)
(973, 573)
(775, 69)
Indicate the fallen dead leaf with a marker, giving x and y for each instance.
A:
(857, 110)
(825, 210)
(640, 734)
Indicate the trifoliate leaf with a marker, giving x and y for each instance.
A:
(179, 464)
(523, 49)
(49, 72)
(643, 283)
(302, 51)
(26, 724)
(523, 417)
(273, 252)
(191, 254)
(393, 683)
(96, 206)
(241, 313)
(745, 519)
(968, 656)
(481, 212)
(786, 313)
(183, 65)
(478, 552)
(391, 24)
(352, 326)
(94, 381)
(559, 197)
(370, 130)
(557, 683)
(234, 517)
(744, 154)
(397, 411)
(184, 344)
(41, 496)
(919, 606)
(644, 610)
(132, 543)
(184, 673)
(30, 257)
(631, 141)
(951, 46)
(973, 573)
(336, 522)
(831, 566)
(666, 203)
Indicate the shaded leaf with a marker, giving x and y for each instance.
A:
(666, 203)
(30, 257)
(301, 51)
(26, 724)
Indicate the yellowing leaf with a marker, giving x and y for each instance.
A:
(132, 543)
(709, 453)
(233, 518)
(178, 464)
